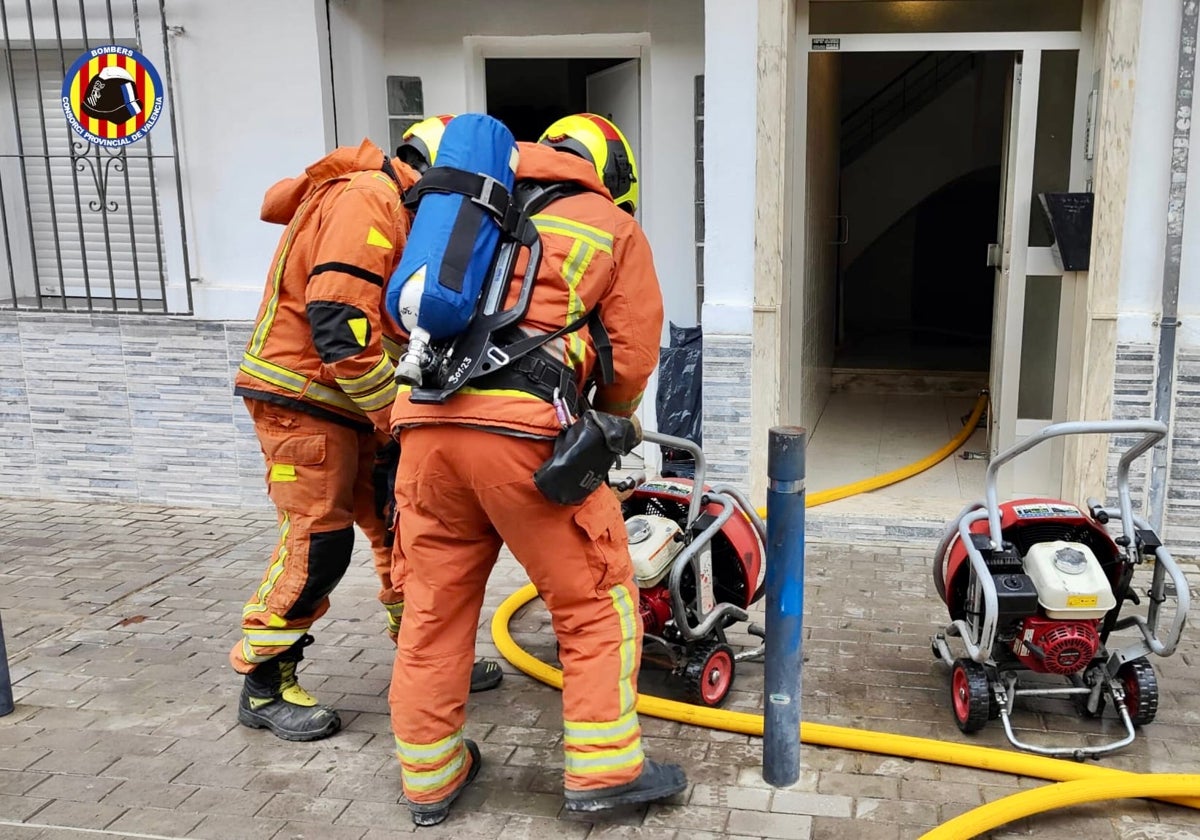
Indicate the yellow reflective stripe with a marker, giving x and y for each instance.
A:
(289, 380)
(484, 392)
(395, 613)
(273, 373)
(597, 238)
(253, 658)
(623, 604)
(429, 753)
(369, 381)
(382, 398)
(264, 326)
(591, 733)
(259, 602)
(268, 637)
(422, 780)
(573, 269)
(325, 394)
(604, 761)
(394, 349)
(253, 638)
(620, 406)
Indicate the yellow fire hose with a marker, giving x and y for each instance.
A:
(1079, 783)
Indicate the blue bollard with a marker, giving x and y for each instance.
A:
(6, 696)
(785, 604)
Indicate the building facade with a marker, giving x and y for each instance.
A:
(802, 161)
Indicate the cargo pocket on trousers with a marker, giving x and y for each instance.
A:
(608, 553)
(296, 481)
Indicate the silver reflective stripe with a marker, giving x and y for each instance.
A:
(789, 487)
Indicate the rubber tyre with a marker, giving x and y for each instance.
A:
(708, 675)
(1141, 690)
(970, 695)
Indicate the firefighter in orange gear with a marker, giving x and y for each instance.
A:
(316, 378)
(466, 486)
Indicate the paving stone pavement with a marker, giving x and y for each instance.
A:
(118, 620)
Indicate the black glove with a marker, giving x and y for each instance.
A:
(583, 455)
(383, 477)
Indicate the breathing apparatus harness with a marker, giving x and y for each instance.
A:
(494, 353)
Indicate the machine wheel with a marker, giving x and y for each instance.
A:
(708, 675)
(1141, 690)
(970, 695)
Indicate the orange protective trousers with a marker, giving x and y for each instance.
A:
(462, 492)
(319, 477)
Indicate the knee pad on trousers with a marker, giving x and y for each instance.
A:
(328, 558)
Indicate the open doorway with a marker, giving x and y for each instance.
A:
(919, 141)
(921, 150)
(529, 94)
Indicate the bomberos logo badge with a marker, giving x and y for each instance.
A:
(112, 96)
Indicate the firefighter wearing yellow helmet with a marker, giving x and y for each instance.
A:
(600, 143)
(418, 147)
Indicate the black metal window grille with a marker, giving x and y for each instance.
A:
(85, 227)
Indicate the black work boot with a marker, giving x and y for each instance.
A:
(485, 675)
(657, 781)
(272, 699)
(432, 813)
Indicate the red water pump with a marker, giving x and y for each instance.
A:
(697, 554)
(1038, 586)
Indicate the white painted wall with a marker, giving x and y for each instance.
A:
(356, 37)
(1142, 253)
(1189, 285)
(249, 112)
(730, 94)
(427, 40)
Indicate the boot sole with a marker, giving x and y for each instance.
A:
(620, 800)
(247, 717)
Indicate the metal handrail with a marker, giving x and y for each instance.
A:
(692, 449)
(1152, 431)
(910, 88)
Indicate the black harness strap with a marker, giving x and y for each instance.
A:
(522, 369)
(539, 375)
(483, 190)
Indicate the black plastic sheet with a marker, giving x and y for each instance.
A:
(680, 400)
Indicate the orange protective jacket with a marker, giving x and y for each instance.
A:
(593, 255)
(322, 342)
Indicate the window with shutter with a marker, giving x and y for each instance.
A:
(93, 214)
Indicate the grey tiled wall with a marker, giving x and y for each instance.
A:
(1133, 391)
(1183, 488)
(125, 408)
(727, 407)
(1133, 400)
(142, 410)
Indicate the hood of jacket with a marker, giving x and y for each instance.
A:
(542, 163)
(284, 198)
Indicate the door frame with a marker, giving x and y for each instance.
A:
(632, 45)
(1008, 428)
(479, 48)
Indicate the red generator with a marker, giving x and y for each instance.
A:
(697, 554)
(1039, 587)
